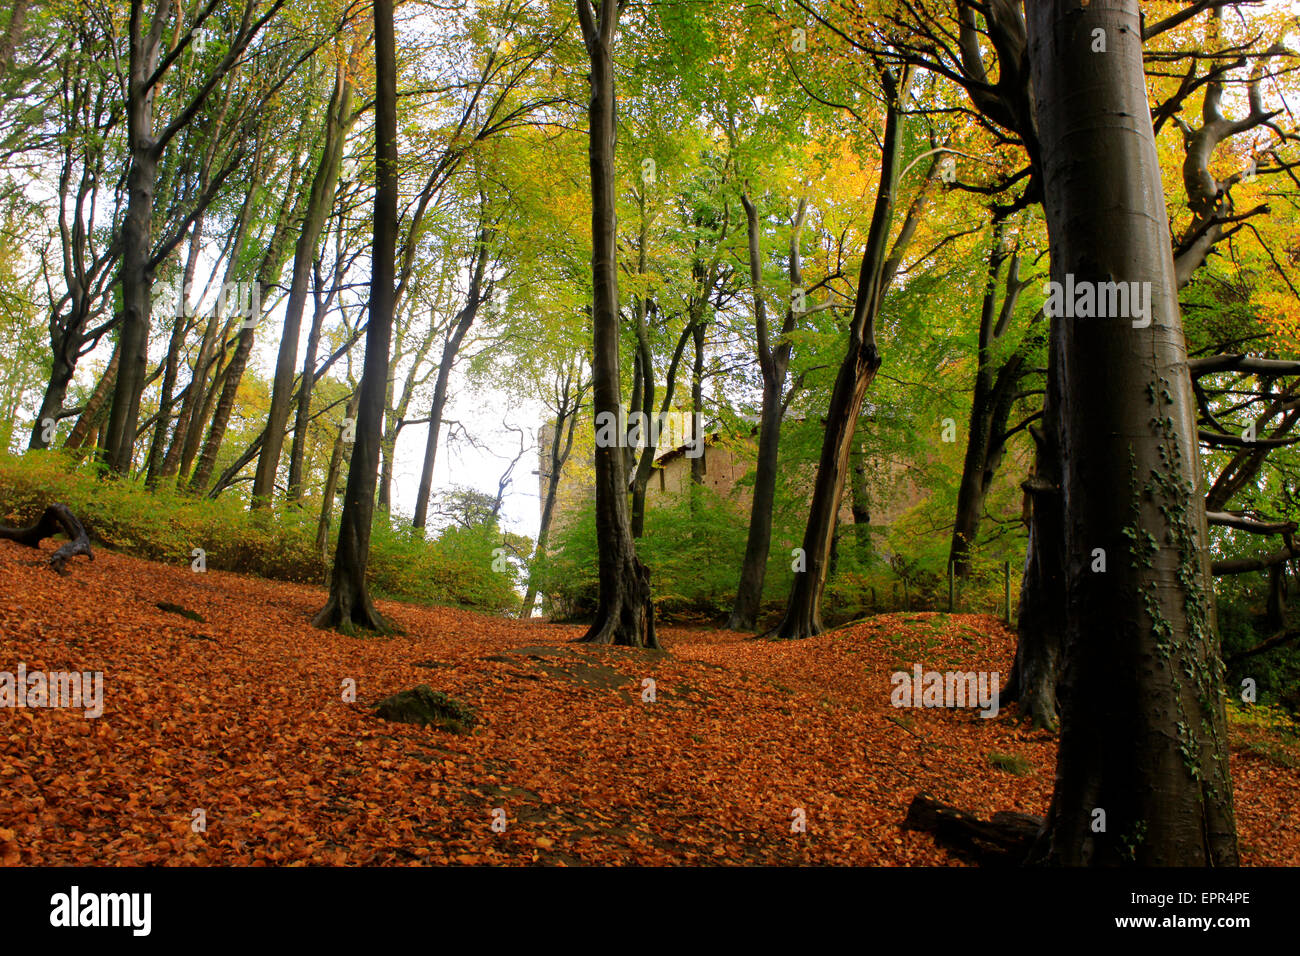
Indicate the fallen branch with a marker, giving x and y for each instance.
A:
(1004, 840)
(56, 518)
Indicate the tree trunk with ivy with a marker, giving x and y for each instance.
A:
(1142, 774)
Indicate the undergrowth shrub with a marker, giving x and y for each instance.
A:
(166, 525)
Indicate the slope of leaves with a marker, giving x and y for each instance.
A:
(241, 715)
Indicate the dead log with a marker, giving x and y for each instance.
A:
(56, 518)
(1005, 840)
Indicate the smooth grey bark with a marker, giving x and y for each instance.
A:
(350, 608)
(625, 612)
(1143, 730)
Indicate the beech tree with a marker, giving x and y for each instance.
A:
(349, 607)
(1143, 730)
(625, 612)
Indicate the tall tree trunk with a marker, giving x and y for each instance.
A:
(624, 612)
(137, 235)
(699, 464)
(1143, 731)
(349, 607)
(773, 363)
(319, 200)
(1040, 620)
(298, 449)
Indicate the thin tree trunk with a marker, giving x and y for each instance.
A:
(320, 198)
(991, 403)
(1040, 619)
(172, 361)
(349, 607)
(859, 500)
(858, 369)
(298, 449)
(451, 348)
(566, 423)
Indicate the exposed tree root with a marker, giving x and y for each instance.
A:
(56, 518)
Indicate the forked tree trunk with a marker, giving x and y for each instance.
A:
(349, 607)
(1143, 731)
(624, 613)
(773, 362)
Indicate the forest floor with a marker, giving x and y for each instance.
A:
(242, 717)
